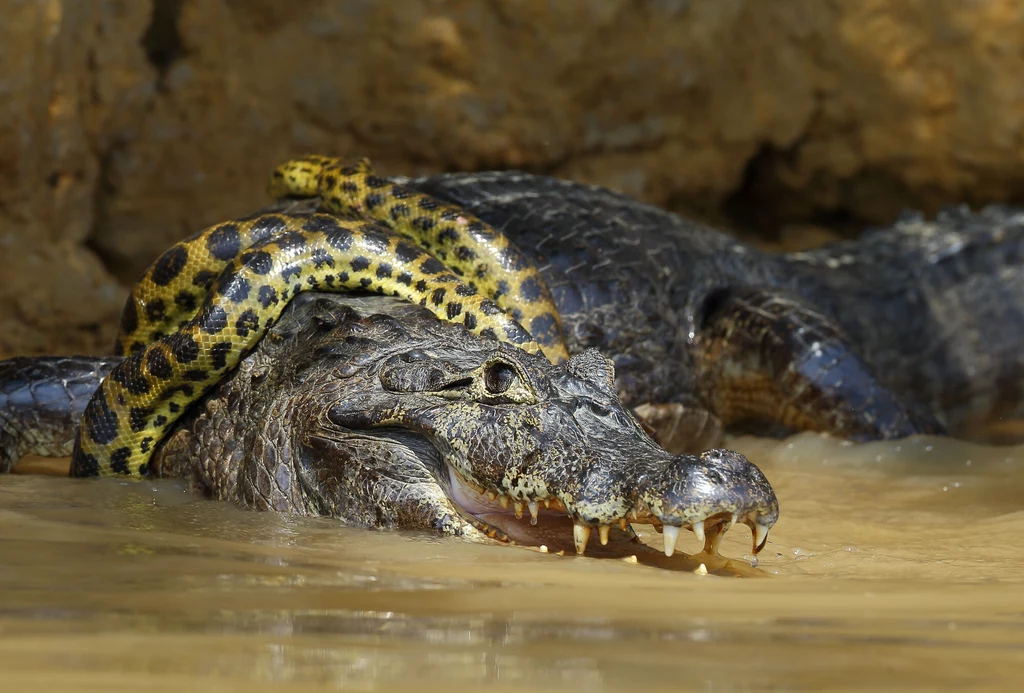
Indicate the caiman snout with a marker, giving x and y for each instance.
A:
(708, 494)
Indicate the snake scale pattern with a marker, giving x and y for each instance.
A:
(209, 299)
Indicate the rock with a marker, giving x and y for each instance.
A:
(126, 125)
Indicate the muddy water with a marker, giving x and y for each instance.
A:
(892, 566)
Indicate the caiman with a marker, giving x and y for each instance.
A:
(911, 329)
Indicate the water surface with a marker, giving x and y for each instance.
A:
(892, 566)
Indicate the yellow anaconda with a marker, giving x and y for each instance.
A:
(217, 293)
(484, 258)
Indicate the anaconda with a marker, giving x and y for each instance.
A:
(217, 292)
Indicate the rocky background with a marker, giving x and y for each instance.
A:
(125, 124)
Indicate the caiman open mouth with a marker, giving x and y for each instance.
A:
(528, 521)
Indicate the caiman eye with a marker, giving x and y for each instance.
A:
(499, 377)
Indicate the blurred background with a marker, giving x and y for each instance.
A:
(126, 124)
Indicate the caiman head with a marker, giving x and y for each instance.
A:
(371, 410)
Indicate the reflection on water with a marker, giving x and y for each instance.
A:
(893, 565)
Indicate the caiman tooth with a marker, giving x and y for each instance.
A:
(534, 509)
(504, 501)
(760, 536)
(698, 530)
(492, 495)
(518, 508)
(623, 524)
(602, 532)
(671, 535)
(580, 537)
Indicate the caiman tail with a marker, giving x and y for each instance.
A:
(41, 403)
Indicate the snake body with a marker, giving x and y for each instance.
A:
(475, 251)
(209, 299)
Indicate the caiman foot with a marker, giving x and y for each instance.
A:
(773, 361)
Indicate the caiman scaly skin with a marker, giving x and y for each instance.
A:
(916, 328)
(372, 410)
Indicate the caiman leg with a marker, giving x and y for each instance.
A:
(41, 404)
(765, 357)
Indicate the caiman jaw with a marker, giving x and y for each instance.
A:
(474, 500)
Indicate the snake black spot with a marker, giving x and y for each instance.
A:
(359, 263)
(185, 300)
(145, 445)
(348, 187)
(429, 204)
(259, 261)
(448, 235)
(174, 407)
(400, 193)
(129, 316)
(405, 278)
(339, 238)
(517, 314)
(86, 465)
(400, 211)
(342, 278)
(100, 421)
(213, 319)
(183, 347)
(169, 266)
(291, 240)
(421, 286)
(159, 421)
(156, 311)
(291, 271)
(465, 290)
(129, 374)
(204, 279)
(219, 354)
(266, 226)
(236, 288)
(313, 281)
(501, 290)
(158, 365)
(481, 271)
(465, 254)
(488, 333)
(268, 296)
(530, 290)
(138, 417)
(296, 289)
(375, 182)
(224, 242)
(438, 296)
(366, 282)
(544, 328)
(320, 223)
(383, 271)
(482, 231)
(489, 308)
(450, 215)
(469, 320)
(407, 252)
(516, 334)
(119, 460)
(321, 259)
(372, 201)
(433, 266)
(423, 223)
(247, 321)
(454, 309)
(196, 375)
